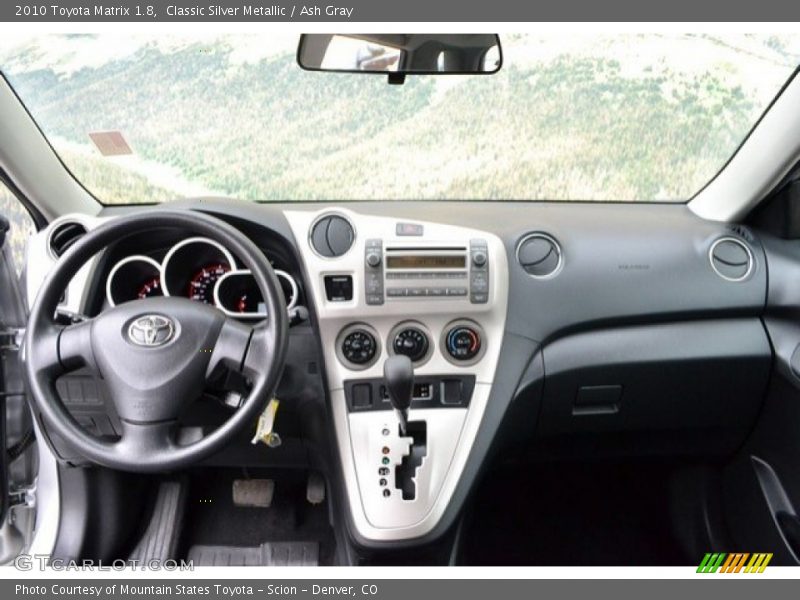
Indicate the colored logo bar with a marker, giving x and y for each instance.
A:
(736, 562)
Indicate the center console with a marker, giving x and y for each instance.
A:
(434, 293)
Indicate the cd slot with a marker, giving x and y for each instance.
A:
(426, 249)
(427, 275)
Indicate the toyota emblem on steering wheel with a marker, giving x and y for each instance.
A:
(151, 330)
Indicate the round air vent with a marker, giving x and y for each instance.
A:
(332, 236)
(64, 235)
(540, 255)
(731, 259)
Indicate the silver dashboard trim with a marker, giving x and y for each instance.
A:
(401, 520)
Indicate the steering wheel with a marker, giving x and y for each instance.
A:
(155, 354)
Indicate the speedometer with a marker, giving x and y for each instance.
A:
(201, 286)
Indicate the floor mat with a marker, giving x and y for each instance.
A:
(213, 520)
(271, 554)
(561, 515)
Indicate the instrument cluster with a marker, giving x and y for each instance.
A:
(199, 269)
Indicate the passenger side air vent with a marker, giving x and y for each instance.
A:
(332, 236)
(540, 255)
(731, 259)
(64, 236)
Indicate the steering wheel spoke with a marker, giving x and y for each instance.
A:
(260, 351)
(231, 347)
(242, 348)
(63, 349)
(75, 346)
(154, 438)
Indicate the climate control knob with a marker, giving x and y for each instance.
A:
(463, 343)
(359, 347)
(411, 342)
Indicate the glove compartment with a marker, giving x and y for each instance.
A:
(674, 388)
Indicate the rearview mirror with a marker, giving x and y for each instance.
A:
(401, 54)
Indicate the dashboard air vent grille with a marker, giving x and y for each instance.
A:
(540, 255)
(731, 259)
(64, 236)
(332, 236)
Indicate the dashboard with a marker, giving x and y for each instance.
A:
(579, 328)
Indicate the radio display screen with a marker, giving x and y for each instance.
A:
(441, 261)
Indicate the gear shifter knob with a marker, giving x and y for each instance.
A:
(398, 373)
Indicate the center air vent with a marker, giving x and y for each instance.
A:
(731, 259)
(64, 236)
(540, 255)
(332, 236)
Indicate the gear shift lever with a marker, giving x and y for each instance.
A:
(398, 373)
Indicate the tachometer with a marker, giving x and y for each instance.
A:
(201, 286)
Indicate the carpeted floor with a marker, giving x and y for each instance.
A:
(213, 519)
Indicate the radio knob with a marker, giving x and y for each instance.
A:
(373, 259)
(412, 343)
(479, 258)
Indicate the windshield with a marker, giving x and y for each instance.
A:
(616, 117)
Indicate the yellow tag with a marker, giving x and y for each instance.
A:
(266, 423)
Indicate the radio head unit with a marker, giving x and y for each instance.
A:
(399, 272)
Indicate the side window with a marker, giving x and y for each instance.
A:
(22, 226)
